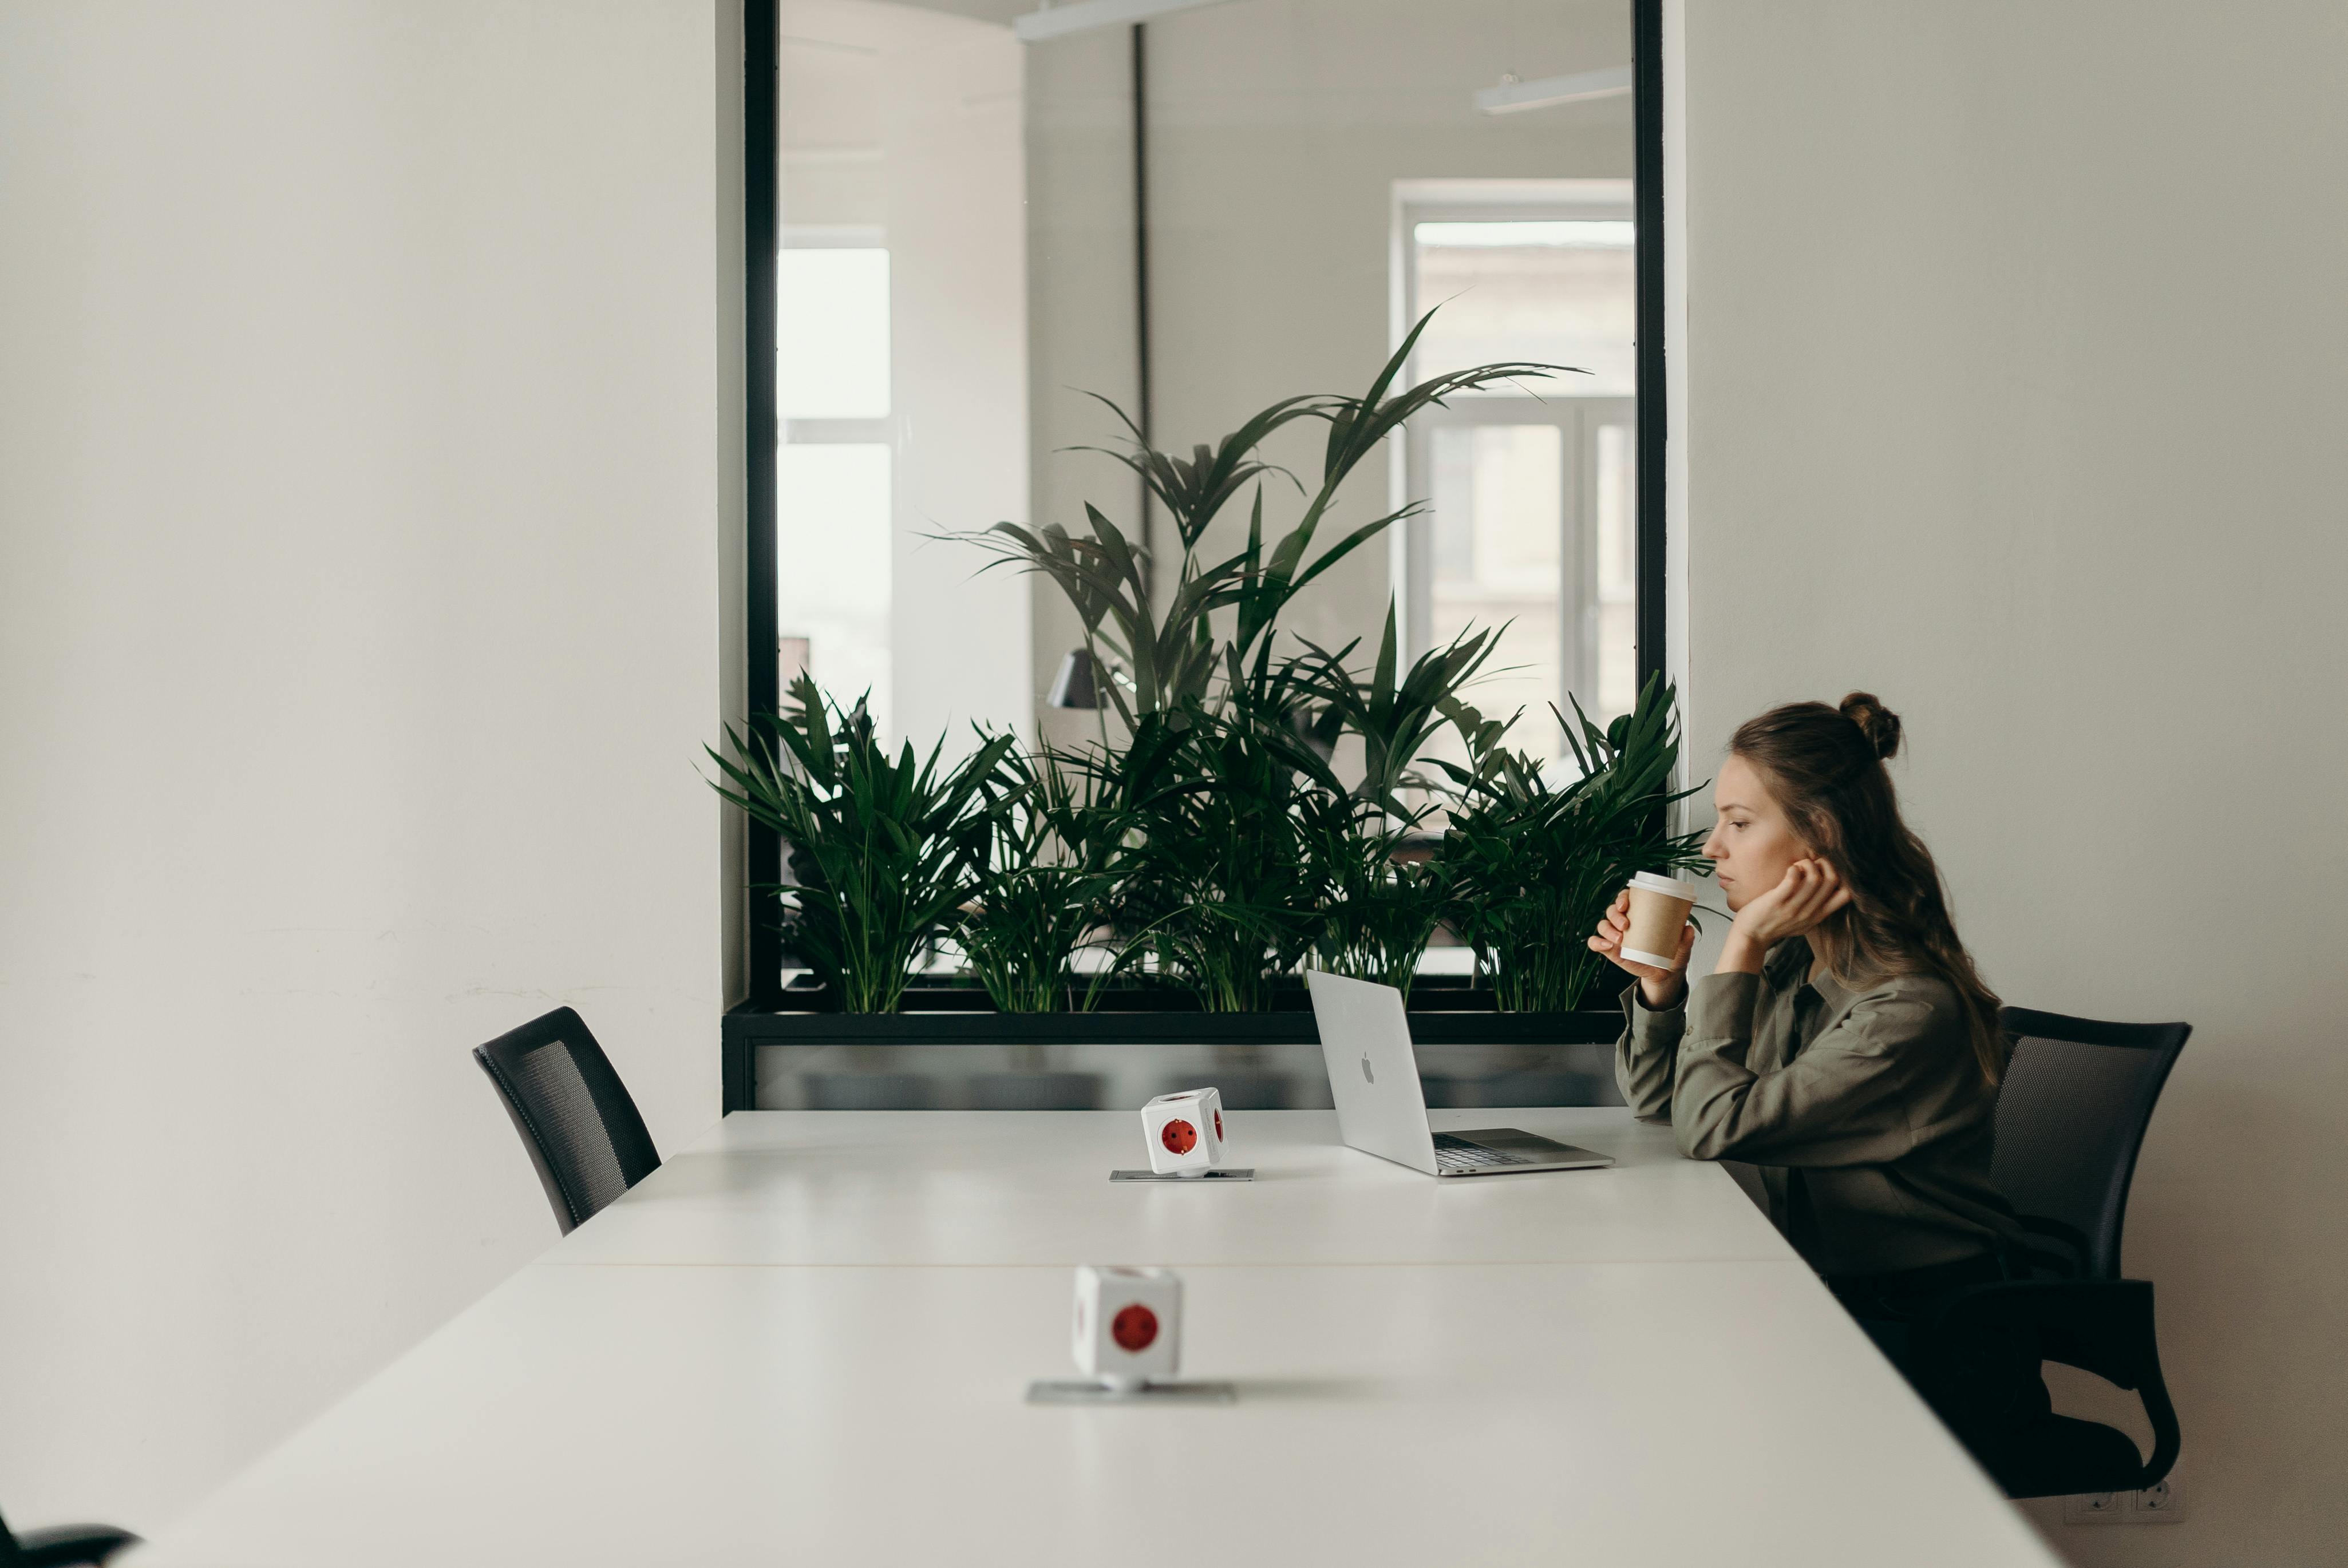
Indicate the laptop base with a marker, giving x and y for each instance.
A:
(1509, 1151)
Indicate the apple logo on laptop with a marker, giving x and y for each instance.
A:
(1367, 1076)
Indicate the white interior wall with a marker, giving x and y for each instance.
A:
(361, 420)
(1277, 130)
(2014, 395)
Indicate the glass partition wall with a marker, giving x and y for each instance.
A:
(900, 362)
(1193, 217)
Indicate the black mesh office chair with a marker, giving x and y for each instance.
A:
(572, 1111)
(2071, 1117)
(62, 1545)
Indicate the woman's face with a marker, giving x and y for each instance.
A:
(1751, 842)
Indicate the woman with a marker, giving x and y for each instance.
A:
(1843, 1043)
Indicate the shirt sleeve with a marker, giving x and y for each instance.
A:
(1643, 1057)
(1845, 1101)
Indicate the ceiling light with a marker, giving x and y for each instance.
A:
(1083, 15)
(1513, 97)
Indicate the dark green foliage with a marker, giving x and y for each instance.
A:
(1396, 719)
(1532, 863)
(1057, 836)
(1170, 659)
(1218, 841)
(883, 851)
(1213, 879)
(1380, 910)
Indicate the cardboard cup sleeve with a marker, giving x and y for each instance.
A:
(1659, 913)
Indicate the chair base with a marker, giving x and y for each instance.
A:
(2058, 1456)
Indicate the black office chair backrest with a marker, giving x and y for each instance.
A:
(572, 1111)
(2071, 1116)
(63, 1545)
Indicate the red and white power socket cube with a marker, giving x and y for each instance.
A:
(1184, 1132)
(1128, 1325)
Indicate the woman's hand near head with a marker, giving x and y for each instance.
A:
(1808, 892)
(1657, 987)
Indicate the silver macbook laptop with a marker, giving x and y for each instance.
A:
(1381, 1109)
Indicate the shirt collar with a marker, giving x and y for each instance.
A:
(1788, 969)
(1788, 963)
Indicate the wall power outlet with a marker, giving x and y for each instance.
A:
(2161, 1503)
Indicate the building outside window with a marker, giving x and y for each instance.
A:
(1531, 489)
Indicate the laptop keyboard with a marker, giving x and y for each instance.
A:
(1457, 1154)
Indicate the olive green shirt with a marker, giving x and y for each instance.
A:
(1866, 1110)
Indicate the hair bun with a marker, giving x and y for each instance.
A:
(1879, 724)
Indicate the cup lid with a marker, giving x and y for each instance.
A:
(1669, 887)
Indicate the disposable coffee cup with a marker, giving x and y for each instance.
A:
(1659, 913)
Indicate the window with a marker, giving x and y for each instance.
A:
(831, 332)
(888, 153)
(1531, 490)
(833, 470)
(835, 461)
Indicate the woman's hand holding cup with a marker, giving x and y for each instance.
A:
(1658, 987)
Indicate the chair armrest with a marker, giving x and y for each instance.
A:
(2100, 1325)
(69, 1545)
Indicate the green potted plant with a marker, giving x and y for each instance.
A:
(1050, 877)
(1211, 844)
(1379, 908)
(1213, 881)
(883, 851)
(1190, 651)
(1241, 833)
(1532, 861)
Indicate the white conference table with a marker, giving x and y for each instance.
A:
(807, 1337)
(1032, 1187)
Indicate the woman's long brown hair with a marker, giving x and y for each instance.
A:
(1824, 766)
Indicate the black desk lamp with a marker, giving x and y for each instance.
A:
(1077, 685)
